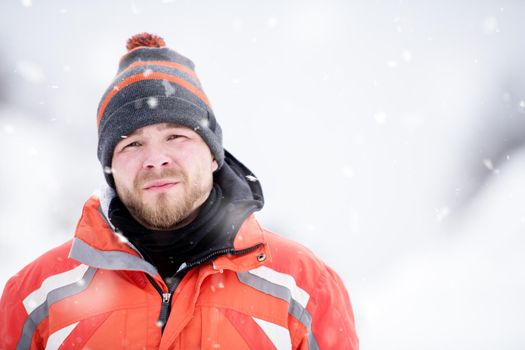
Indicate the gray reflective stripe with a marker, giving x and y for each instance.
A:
(110, 260)
(41, 312)
(294, 308)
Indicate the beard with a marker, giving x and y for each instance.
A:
(168, 210)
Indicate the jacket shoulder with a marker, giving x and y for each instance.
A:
(317, 295)
(31, 277)
(294, 259)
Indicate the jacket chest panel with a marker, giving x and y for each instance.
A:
(227, 292)
(228, 315)
(112, 311)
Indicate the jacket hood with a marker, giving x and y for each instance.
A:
(239, 184)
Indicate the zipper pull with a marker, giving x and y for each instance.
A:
(166, 297)
(164, 310)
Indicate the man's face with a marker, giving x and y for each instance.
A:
(163, 173)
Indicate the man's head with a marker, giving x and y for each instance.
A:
(154, 84)
(163, 173)
(159, 142)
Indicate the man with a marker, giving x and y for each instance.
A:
(171, 256)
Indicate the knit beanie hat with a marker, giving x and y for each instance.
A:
(154, 84)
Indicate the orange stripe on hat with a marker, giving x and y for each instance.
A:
(175, 65)
(150, 76)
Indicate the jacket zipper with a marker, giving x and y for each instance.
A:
(165, 307)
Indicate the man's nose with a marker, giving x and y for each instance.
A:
(156, 158)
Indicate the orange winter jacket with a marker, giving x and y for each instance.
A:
(93, 293)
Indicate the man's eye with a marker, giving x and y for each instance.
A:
(173, 137)
(133, 144)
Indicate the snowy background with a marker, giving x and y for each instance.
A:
(388, 136)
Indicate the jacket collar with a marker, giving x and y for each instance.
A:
(97, 244)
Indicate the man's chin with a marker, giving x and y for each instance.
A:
(152, 199)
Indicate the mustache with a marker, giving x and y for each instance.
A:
(163, 174)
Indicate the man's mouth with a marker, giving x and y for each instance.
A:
(159, 185)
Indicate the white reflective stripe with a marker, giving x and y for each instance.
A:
(105, 199)
(279, 336)
(56, 339)
(282, 279)
(38, 297)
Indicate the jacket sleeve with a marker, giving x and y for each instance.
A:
(333, 325)
(13, 317)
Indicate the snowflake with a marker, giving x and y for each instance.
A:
(380, 117)
(134, 9)
(205, 123)
(168, 88)
(30, 71)
(9, 129)
(407, 56)
(391, 64)
(152, 102)
(442, 213)
(488, 164)
(271, 22)
(348, 172)
(491, 25)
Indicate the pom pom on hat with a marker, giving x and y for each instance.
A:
(144, 40)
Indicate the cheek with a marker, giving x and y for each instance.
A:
(123, 172)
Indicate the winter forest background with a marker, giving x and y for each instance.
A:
(389, 137)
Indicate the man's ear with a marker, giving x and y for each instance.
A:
(214, 165)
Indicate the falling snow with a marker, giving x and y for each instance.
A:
(315, 98)
(251, 178)
(272, 22)
(169, 89)
(205, 123)
(9, 129)
(380, 117)
(348, 172)
(407, 56)
(442, 213)
(30, 71)
(491, 25)
(152, 102)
